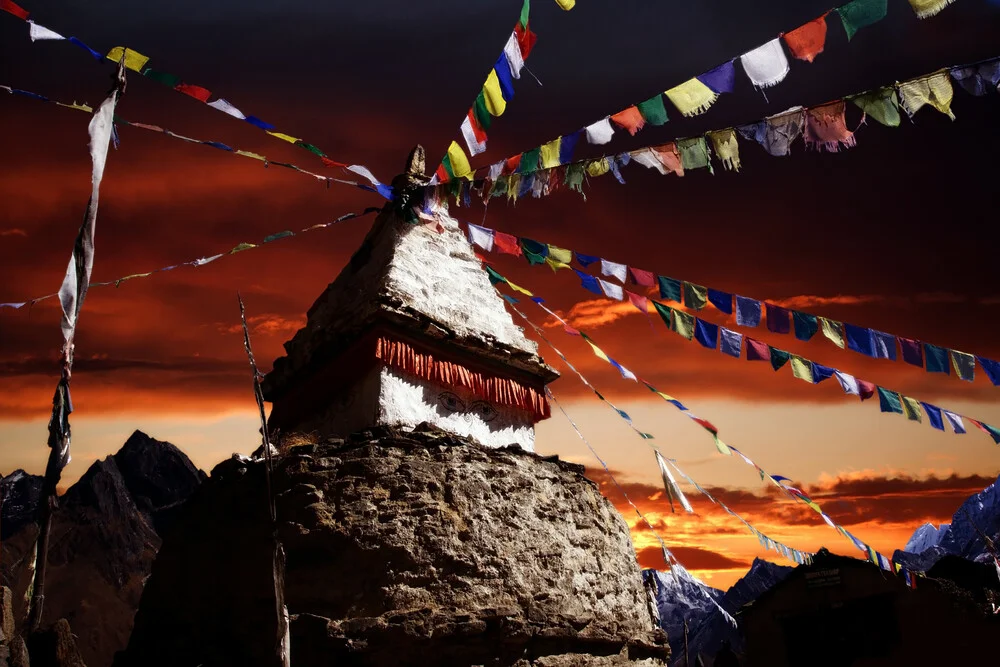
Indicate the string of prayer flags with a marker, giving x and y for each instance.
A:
(859, 14)
(376, 187)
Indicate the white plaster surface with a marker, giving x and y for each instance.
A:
(408, 401)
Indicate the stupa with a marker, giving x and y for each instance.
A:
(411, 332)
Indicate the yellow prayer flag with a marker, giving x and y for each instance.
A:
(567, 5)
(255, 156)
(722, 447)
(134, 60)
(802, 369)
(556, 264)
(598, 351)
(285, 137)
(726, 148)
(813, 504)
(935, 90)
(550, 153)
(692, 97)
(495, 103)
(241, 247)
(911, 408)
(518, 288)
(78, 107)
(833, 330)
(560, 254)
(459, 162)
(683, 323)
(598, 167)
(666, 397)
(923, 8)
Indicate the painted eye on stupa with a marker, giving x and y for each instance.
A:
(483, 410)
(451, 402)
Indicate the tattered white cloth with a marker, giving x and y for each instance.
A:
(766, 65)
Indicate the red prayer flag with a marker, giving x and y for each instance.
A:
(477, 130)
(641, 277)
(570, 330)
(707, 425)
(511, 164)
(759, 351)
(331, 163)
(197, 92)
(13, 8)
(866, 389)
(525, 39)
(807, 42)
(506, 243)
(639, 301)
(630, 119)
(442, 174)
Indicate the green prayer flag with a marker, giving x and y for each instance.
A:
(241, 247)
(859, 14)
(964, 364)
(495, 277)
(778, 357)
(888, 401)
(684, 324)
(525, 10)
(529, 161)
(481, 113)
(574, 178)
(881, 104)
(993, 431)
(310, 148)
(446, 163)
(664, 312)
(164, 78)
(694, 153)
(279, 235)
(806, 325)
(670, 289)
(653, 111)
(695, 296)
(500, 187)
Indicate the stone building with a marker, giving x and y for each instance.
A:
(420, 527)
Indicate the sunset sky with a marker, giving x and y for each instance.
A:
(898, 234)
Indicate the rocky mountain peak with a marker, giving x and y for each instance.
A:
(21, 492)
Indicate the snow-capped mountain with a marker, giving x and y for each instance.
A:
(961, 538)
(683, 599)
(925, 537)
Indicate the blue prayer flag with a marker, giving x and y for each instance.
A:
(253, 120)
(821, 372)
(589, 282)
(885, 345)
(721, 79)
(721, 300)
(777, 319)
(567, 146)
(219, 145)
(937, 359)
(28, 93)
(933, 415)
(586, 260)
(860, 339)
(93, 53)
(747, 312)
(732, 343)
(670, 289)
(614, 162)
(992, 369)
(706, 333)
(502, 68)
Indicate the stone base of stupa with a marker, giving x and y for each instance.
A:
(403, 548)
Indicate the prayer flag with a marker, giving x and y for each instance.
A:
(726, 148)
(474, 137)
(647, 158)
(525, 39)
(695, 153)
(586, 260)
(525, 12)
(720, 80)
(506, 243)
(566, 5)
(965, 365)
(549, 153)
(732, 343)
(630, 119)
(512, 51)
(806, 325)
(639, 301)
(826, 128)
(747, 312)
(257, 122)
(934, 90)
(202, 95)
(933, 415)
(881, 104)
(567, 146)
(534, 251)
(706, 333)
(766, 65)
(695, 296)
(495, 102)
(504, 77)
(94, 54)
(978, 79)
(859, 14)
(684, 324)
(598, 167)
(928, 8)
(866, 389)
(670, 485)
(832, 330)
(589, 282)
(937, 359)
(912, 351)
(992, 369)
(991, 431)
(721, 300)
(222, 105)
(529, 162)
(777, 319)
(807, 41)
(955, 421)
(37, 32)
(821, 372)
(911, 408)
(860, 340)
(692, 97)
(664, 313)
(757, 350)
(644, 278)
(802, 369)
(670, 289)
(599, 132)
(134, 60)
(611, 290)
(778, 357)
(14, 9)
(619, 271)
(480, 113)
(888, 401)
(670, 157)
(653, 111)
(884, 345)
(555, 264)
(560, 255)
(457, 160)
